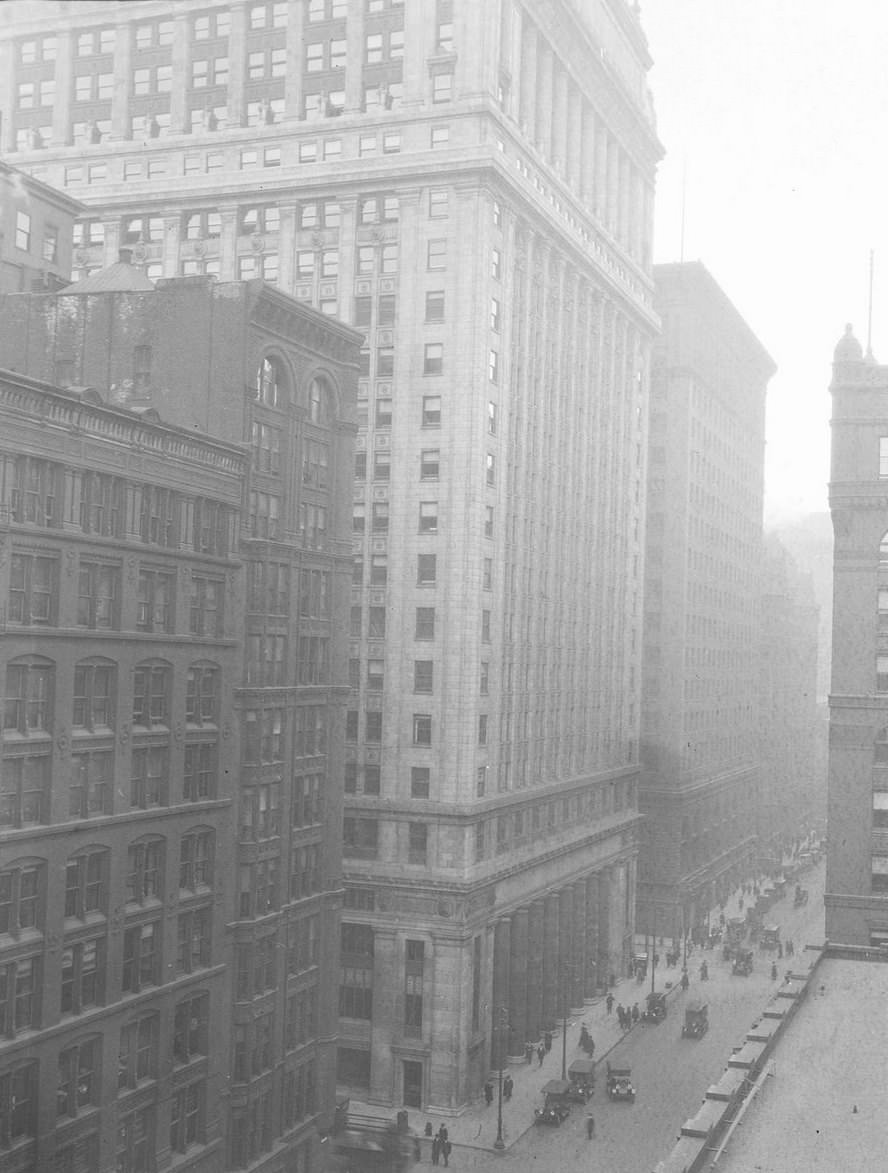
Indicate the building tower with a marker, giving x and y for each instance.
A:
(857, 846)
(175, 562)
(702, 589)
(471, 186)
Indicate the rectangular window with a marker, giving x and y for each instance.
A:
(383, 412)
(442, 87)
(482, 729)
(438, 203)
(426, 569)
(881, 673)
(493, 366)
(373, 725)
(488, 521)
(98, 595)
(193, 950)
(425, 623)
(883, 456)
(413, 960)
(422, 729)
(490, 467)
(436, 255)
(423, 676)
(22, 231)
(141, 957)
(495, 315)
(481, 781)
(376, 628)
(440, 136)
(83, 976)
(433, 358)
(149, 785)
(428, 517)
(417, 843)
(420, 777)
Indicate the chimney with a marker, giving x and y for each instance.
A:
(125, 256)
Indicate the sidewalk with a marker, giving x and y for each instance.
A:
(476, 1126)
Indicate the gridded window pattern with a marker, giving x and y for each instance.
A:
(191, 1028)
(19, 996)
(79, 1077)
(83, 976)
(18, 1105)
(21, 898)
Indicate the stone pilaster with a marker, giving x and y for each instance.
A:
(535, 971)
(518, 946)
(551, 977)
(502, 934)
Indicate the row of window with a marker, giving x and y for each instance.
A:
(423, 676)
(47, 493)
(427, 517)
(426, 575)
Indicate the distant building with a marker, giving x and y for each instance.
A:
(857, 851)
(470, 183)
(36, 230)
(175, 562)
(792, 790)
(700, 690)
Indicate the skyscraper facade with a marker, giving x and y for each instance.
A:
(700, 751)
(856, 894)
(471, 186)
(175, 563)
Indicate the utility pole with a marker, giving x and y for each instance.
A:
(653, 953)
(499, 1029)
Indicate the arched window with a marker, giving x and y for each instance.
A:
(93, 695)
(144, 872)
(319, 401)
(28, 707)
(271, 382)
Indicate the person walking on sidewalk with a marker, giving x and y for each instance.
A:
(590, 1127)
(635, 1012)
(436, 1150)
(488, 1093)
(541, 1053)
(508, 1087)
(609, 1001)
(547, 1039)
(528, 1052)
(445, 1152)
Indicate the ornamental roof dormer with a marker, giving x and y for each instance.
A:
(848, 349)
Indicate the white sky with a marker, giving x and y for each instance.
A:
(776, 111)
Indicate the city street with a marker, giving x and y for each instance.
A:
(671, 1074)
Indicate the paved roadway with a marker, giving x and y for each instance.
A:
(671, 1074)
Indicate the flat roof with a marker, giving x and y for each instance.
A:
(822, 1105)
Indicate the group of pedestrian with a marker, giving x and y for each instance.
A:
(508, 1088)
(539, 1051)
(441, 1146)
(627, 1015)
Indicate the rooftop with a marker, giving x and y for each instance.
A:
(822, 1107)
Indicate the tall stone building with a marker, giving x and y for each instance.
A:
(700, 753)
(471, 185)
(857, 846)
(791, 728)
(175, 562)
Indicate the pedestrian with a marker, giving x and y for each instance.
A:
(443, 1134)
(445, 1152)
(508, 1087)
(773, 971)
(685, 981)
(488, 1093)
(541, 1053)
(436, 1150)
(635, 1013)
(611, 980)
(528, 1053)
(620, 1013)
(609, 1000)
(590, 1127)
(547, 1038)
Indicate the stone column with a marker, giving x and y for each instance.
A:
(287, 247)
(502, 933)
(588, 156)
(228, 243)
(566, 969)
(180, 118)
(573, 163)
(172, 232)
(535, 971)
(544, 101)
(296, 57)
(605, 963)
(559, 119)
(594, 977)
(527, 78)
(387, 986)
(518, 1033)
(579, 946)
(345, 285)
(551, 978)
(237, 63)
(61, 107)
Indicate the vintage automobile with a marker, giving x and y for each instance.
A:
(696, 1022)
(556, 1102)
(619, 1083)
(581, 1075)
(656, 1007)
(742, 966)
(770, 938)
(801, 896)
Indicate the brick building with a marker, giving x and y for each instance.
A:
(175, 575)
(857, 847)
(471, 185)
(36, 224)
(700, 706)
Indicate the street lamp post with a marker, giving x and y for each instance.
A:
(499, 1143)
(653, 956)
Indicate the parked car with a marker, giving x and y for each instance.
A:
(742, 966)
(656, 1007)
(581, 1075)
(556, 1102)
(619, 1083)
(696, 1022)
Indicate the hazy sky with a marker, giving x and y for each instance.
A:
(776, 112)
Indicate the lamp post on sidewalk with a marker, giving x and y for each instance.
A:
(499, 1030)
